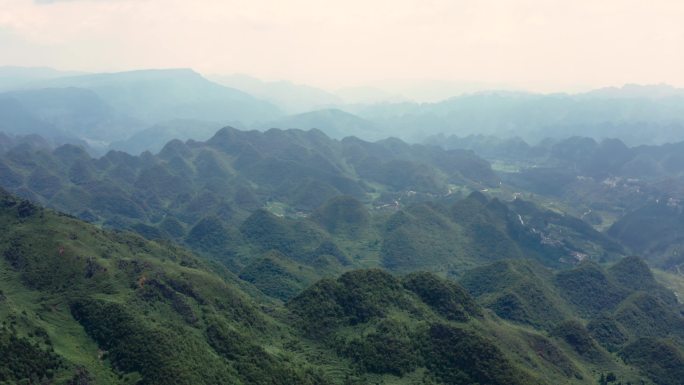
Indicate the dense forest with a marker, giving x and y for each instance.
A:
(287, 257)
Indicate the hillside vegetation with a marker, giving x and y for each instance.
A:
(83, 305)
(288, 257)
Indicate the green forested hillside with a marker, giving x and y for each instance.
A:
(233, 172)
(324, 205)
(286, 257)
(80, 305)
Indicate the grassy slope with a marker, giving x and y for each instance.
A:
(673, 281)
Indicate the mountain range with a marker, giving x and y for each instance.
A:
(156, 229)
(125, 106)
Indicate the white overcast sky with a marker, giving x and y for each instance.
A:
(543, 45)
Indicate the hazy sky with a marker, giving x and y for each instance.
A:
(536, 44)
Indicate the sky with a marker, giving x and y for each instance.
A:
(539, 45)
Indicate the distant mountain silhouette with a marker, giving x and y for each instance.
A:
(291, 98)
(160, 95)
